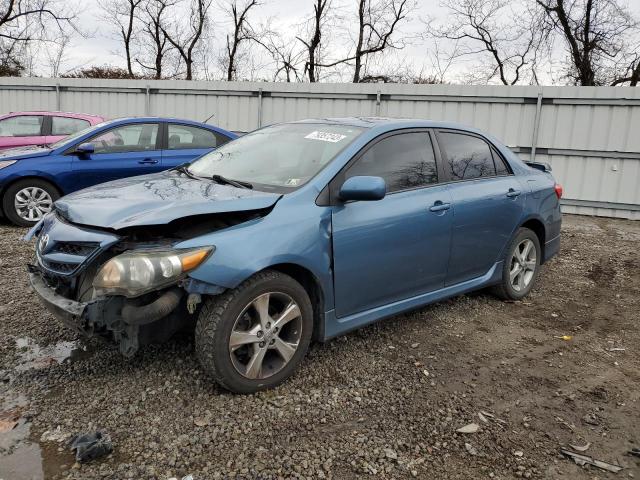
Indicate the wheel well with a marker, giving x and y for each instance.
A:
(20, 179)
(538, 228)
(29, 177)
(309, 282)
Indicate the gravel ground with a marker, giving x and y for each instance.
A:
(385, 401)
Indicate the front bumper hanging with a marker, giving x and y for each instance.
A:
(125, 319)
(72, 313)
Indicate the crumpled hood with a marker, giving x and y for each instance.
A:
(157, 199)
(18, 153)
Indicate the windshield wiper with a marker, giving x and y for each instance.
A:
(230, 181)
(184, 168)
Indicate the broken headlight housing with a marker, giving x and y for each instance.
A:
(139, 271)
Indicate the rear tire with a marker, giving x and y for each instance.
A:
(253, 337)
(27, 201)
(520, 267)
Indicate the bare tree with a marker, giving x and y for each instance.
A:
(122, 14)
(56, 55)
(630, 74)
(11, 64)
(23, 22)
(312, 44)
(242, 32)
(155, 42)
(506, 40)
(378, 21)
(15, 13)
(186, 43)
(287, 57)
(597, 35)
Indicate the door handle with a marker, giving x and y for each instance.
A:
(513, 193)
(150, 161)
(439, 206)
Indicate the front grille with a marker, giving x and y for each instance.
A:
(64, 250)
(60, 267)
(65, 258)
(75, 248)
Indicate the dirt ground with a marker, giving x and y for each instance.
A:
(384, 402)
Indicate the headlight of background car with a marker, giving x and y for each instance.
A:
(6, 163)
(136, 272)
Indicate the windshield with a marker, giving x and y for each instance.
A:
(282, 156)
(70, 139)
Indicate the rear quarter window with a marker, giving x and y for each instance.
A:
(502, 168)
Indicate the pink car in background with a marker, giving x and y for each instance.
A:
(23, 129)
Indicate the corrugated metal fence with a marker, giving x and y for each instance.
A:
(590, 135)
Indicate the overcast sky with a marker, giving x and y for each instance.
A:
(101, 49)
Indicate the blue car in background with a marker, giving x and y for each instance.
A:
(296, 232)
(32, 178)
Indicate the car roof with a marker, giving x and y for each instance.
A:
(373, 122)
(170, 119)
(159, 119)
(57, 113)
(379, 125)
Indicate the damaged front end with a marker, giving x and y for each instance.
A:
(129, 286)
(105, 317)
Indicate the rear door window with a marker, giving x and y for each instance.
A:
(138, 137)
(501, 165)
(21, 126)
(404, 161)
(67, 125)
(466, 157)
(182, 137)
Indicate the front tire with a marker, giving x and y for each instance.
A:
(520, 267)
(27, 201)
(253, 337)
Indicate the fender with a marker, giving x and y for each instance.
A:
(14, 177)
(240, 253)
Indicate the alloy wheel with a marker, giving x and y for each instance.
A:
(523, 265)
(266, 335)
(32, 203)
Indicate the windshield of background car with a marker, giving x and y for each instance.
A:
(282, 156)
(71, 138)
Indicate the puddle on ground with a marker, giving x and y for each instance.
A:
(23, 462)
(21, 458)
(33, 356)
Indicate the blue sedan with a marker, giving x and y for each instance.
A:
(32, 178)
(296, 232)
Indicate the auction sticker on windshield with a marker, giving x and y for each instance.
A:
(326, 136)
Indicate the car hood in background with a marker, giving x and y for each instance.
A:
(157, 199)
(18, 153)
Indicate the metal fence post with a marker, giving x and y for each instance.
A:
(259, 107)
(58, 102)
(147, 106)
(536, 127)
(378, 100)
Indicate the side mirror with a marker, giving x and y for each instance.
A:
(363, 188)
(85, 149)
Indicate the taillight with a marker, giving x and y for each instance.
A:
(558, 189)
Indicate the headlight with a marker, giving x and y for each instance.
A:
(6, 163)
(136, 272)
